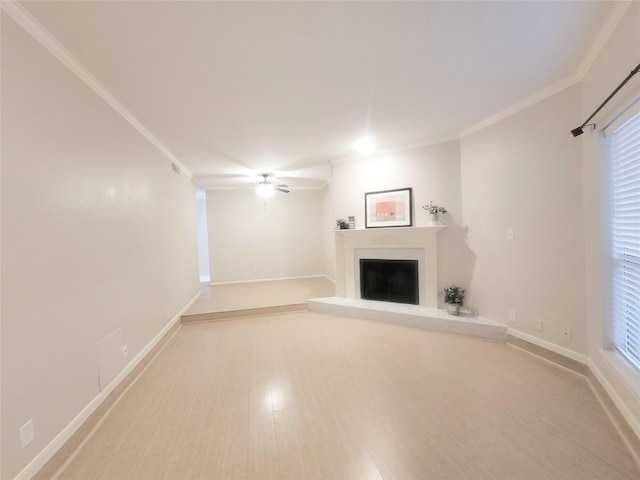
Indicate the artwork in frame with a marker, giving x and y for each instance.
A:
(389, 208)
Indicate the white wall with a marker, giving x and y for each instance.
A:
(525, 173)
(328, 240)
(433, 172)
(528, 173)
(619, 56)
(254, 239)
(97, 234)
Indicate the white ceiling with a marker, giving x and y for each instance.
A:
(233, 89)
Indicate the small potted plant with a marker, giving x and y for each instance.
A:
(454, 298)
(435, 211)
(342, 224)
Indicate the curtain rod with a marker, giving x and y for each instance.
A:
(578, 131)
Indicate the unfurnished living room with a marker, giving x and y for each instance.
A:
(320, 240)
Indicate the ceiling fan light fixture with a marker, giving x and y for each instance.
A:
(265, 189)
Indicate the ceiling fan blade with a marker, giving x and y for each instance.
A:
(282, 190)
(281, 186)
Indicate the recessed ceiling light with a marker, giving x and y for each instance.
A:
(365, 145)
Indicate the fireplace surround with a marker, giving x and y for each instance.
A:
(410, 243)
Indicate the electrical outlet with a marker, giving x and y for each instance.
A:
(512, 316)
(537, 325)
(510, 234)
(26, 433)
(125, 351)
(565, 332)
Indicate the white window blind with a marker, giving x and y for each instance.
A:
(625, 228)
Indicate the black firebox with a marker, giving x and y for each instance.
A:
(389, 280)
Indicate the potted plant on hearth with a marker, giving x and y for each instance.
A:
(454, 298)
(435, 211)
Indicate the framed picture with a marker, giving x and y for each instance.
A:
(390, 208)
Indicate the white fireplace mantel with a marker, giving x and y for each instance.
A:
(420, 243)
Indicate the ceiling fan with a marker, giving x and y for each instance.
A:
(266, 188)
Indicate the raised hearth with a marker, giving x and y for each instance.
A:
(410, 316)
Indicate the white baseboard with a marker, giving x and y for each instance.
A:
(619, 403)
(256, 280)
(565, 352)
(332, 280)
(40, 460)
(625, 377)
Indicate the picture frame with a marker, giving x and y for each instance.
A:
(389, 208)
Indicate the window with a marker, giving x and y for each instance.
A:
(625, 237)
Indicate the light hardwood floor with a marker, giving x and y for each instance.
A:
(309, 395)
(225, 298)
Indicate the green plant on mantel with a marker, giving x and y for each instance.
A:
(342, 224)
(453, 295)
(433, 209)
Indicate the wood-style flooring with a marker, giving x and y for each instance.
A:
(246, 296)
(313, 396)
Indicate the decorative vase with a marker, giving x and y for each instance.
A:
(453, 309)
(434, 220)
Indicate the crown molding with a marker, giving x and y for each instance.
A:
(521, 105)
(398, 148)
(610, 24)
(250, 187)
(33, 27)
(37, 31)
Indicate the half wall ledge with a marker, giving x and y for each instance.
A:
(410, 316)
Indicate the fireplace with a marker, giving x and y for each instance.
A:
(418, 244)
(389, 280)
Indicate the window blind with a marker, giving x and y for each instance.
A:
(625, 228)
